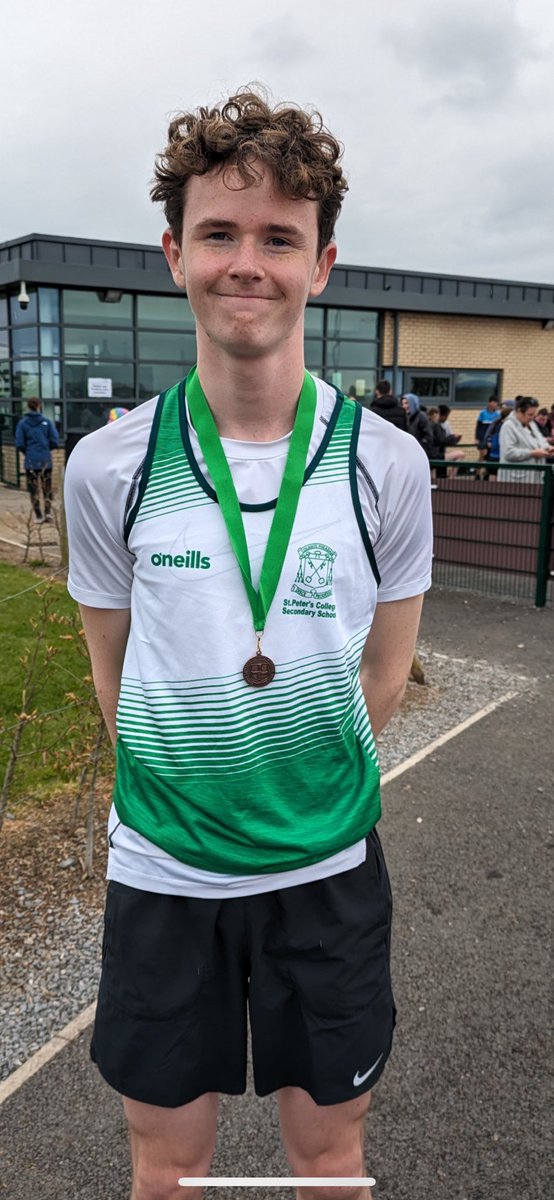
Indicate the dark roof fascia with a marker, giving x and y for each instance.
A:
(409, 302)
(399, 273)
(79, 241)
(66, 275)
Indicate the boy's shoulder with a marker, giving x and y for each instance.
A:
(117, 449)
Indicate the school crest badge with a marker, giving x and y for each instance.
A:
(315, 571)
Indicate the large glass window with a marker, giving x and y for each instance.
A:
(86, 416)
(49, 340)
(471, 388)
(313, 352)
(352, 350)
(3, 310)
(6, 422)
(155, 377)
(475, 388)
(359, 383)
(352, 323)
(167, 347)
(50, 383)
(429, 385)
(25, 342)
(164, 312)
(351, 354)
(98, 343)
(24, 316)
(313, 322)
(77, 374)
(49, 305)
(91, 308)
(26, 377)
(5, 388)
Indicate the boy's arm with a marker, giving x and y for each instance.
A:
(387, 657)
(106, 631)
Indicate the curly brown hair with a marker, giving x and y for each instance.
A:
(301, 153)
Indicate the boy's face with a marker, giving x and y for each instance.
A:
(248, 260)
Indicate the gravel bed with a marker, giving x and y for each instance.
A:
(52, 972)
(50, 976)
(456, 688)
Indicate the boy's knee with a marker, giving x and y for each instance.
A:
(162, 1183)
(345, 1165)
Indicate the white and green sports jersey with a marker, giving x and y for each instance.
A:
(217, 779)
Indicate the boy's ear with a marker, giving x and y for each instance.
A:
(323, 269)
(172, 252)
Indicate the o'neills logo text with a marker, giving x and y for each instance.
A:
(193, 559)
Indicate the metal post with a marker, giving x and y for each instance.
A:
(396, 338)
(545, 537)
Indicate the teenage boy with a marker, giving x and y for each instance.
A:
(35, 438)
(483, 423)
(251, 598)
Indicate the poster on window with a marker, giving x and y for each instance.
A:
(99, 389)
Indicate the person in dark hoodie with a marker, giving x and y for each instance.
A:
(419, 424)
(387, 406)
(36, 437)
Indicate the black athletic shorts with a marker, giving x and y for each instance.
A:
(311, 962)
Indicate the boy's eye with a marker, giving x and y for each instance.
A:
(218, 235)
(279, 241)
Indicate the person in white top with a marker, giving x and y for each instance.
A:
(522, 442)
(251, 599)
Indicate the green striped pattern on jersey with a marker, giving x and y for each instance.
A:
(262, 781)
(333, 467)
(171, 484)
(315, 702)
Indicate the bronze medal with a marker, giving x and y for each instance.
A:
(259, 670)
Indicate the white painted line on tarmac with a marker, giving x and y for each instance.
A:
(79, 1023)
(42, 1056)
(445, 737)
(277, 1181)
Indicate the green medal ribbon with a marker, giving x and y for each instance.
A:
(287, 503)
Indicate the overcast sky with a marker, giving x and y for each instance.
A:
(445, 108)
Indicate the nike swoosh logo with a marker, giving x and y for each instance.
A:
(358, 1079)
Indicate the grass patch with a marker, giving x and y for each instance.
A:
(42, 640)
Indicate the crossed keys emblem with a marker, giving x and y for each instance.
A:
(315, 571)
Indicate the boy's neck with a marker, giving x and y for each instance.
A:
(252, 399)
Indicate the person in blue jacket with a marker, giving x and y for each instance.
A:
(36, 437)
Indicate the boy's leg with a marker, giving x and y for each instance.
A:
(170, 1028)
(322, 1015)
(324, 1140)
(170, 1143)
(46, 477)
(34, 492)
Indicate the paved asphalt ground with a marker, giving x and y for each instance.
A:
(461, 1111)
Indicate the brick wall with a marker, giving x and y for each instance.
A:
(522, 350)
(9, 456)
